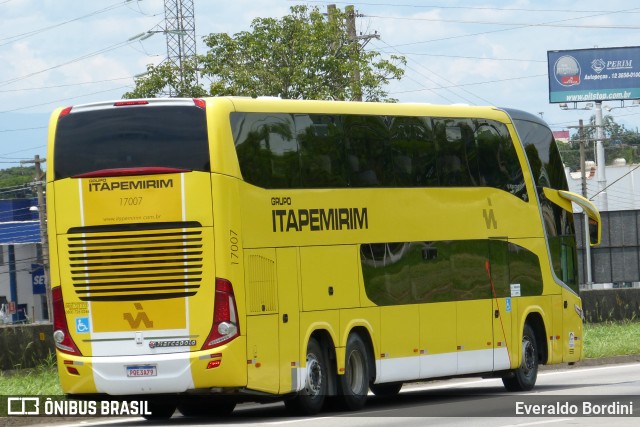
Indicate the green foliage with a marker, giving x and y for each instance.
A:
(12, 179)
(302, 55)
(42, 380)
(618, 142)
(159, 78)
(611, 339)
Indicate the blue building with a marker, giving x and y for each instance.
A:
(22, 290)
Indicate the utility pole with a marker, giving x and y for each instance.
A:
(601, 161)
(582, 159)
(355, 52)
(331, 13)
(587, 238)
(586, 235)
(42, 215)
(355, 48)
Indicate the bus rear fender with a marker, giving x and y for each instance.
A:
(326, 341)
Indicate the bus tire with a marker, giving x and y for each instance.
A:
(159, 411)
(385, 389)
(353, 386)
(310, 399)
(524, 377)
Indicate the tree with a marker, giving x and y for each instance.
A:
(618, 142)
(302, 55)
(15, 183)
(165, 75)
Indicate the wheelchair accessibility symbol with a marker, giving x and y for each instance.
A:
(82, 325)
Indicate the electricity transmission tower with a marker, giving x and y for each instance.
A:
(180, 31)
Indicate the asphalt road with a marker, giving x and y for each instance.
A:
(573, 395)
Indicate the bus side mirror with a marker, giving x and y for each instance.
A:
(591, 213)
(594, 238)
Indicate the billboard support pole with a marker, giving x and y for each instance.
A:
(603, 204)
(583, 173)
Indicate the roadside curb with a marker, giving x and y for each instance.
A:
(612, 360)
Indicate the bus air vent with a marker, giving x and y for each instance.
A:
(135, 262)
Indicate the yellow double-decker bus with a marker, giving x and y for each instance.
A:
(206, 252)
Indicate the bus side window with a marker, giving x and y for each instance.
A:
(267, 150)
(321, 142)
(413, 152)
(457, 154)
(366, 140)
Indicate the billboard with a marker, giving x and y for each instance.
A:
(594, 74)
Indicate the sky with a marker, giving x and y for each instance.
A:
(68, 52)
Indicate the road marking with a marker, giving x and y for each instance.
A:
(488, 380)
(589, 368)
(298, 420)
(535, 423)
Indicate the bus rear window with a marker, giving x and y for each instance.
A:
(115, 138)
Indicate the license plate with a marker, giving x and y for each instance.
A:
(142, 371)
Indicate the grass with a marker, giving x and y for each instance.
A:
(600, 340)
(611, 339)
(41, 381)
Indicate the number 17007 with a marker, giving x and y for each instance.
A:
(130, 201)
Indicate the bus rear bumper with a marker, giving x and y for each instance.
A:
(222, 367)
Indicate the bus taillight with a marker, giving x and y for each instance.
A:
(64, 112)
(225, 316)
(200, 103)
(130, 103)
(61, 336)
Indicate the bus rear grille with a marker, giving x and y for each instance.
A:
(135, 263)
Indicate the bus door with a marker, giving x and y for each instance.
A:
(289, 320)
(400, 318)
(468, 259)
(573, 316)
(263, 371)
(497, 270)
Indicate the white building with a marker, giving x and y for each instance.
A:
(17, 276)
(622, 186)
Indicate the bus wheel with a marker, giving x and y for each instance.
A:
(386, 389)
(160, 411)
(354, 384)
(310, 399)
(524, 377)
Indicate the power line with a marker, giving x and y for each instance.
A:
(80, 58)
(55, 101)
(482, 58)
(67, 85)
(477, 83)
(17, 37)
(516, 28)
(500, 9)
(22, 129)
(21, 151)
(520, 25)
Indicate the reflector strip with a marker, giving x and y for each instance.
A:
(128, 103)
